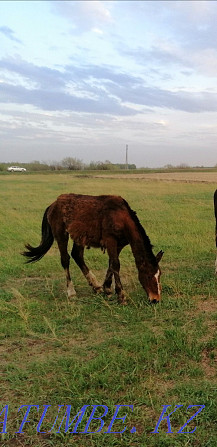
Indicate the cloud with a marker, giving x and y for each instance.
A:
(188, 22)
(84, 15)
(97, 30)
(60, 101)
(9, 33)
(166, 56)
(80, 89)
(94, 89)
(159, 54)
(184, 36)
(41, 76)
(157, 97)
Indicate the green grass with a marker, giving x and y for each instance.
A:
(94, 351)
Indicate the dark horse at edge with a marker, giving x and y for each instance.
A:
(105, 222)
(215, 211)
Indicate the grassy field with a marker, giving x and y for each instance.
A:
(92, 350)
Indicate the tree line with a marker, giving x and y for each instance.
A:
(68, 163)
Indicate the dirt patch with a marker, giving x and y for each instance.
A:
(41, 349)
(186, 177)
(207, 306)
(209, 367)
(23, 440)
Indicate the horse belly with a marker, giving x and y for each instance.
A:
(85, 235)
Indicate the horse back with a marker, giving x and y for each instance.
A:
(89, 220)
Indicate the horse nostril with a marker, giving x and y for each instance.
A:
(154, 301)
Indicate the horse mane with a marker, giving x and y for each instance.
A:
(142, 231)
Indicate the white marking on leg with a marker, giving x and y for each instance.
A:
(93, 281)
(122, 298)
(70, 290)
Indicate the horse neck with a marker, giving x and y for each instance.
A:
(140, 246)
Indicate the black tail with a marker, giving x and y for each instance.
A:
(36, 253)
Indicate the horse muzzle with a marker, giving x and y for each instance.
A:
(154, 299)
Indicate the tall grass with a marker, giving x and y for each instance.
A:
(93, 351)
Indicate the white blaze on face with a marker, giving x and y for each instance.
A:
(157, 277)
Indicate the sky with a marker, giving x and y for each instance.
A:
(84, 79)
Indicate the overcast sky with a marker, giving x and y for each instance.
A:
(85, 78)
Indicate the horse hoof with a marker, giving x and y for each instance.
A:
(71, 292)
(123, 302)
(107, 291)
(122, 299)
(71, 295)
(98, 289)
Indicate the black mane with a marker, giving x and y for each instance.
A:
(141, 230)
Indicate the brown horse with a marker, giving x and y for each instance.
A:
(106, 222)
(215, 210)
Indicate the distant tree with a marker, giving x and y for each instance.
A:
(92, 165)
(73, 164)
(183, 166)
(132, 166)
(105, 166)
(169, 166)
(37, 166)
(101, 166)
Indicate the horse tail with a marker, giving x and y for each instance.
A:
(47, 238)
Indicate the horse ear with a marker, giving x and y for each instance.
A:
(159, 256)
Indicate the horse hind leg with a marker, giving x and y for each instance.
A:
(65, 261)
(78, 256)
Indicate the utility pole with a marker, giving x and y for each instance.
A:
(126, 165)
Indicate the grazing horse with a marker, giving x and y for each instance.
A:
(215, 210)
(105, 222)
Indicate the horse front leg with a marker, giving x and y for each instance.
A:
(108, 281)
(118, 286)
(114, 269)
(78, 256)
(216, 239)
(108, 278)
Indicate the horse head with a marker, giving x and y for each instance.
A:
(149, 276)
